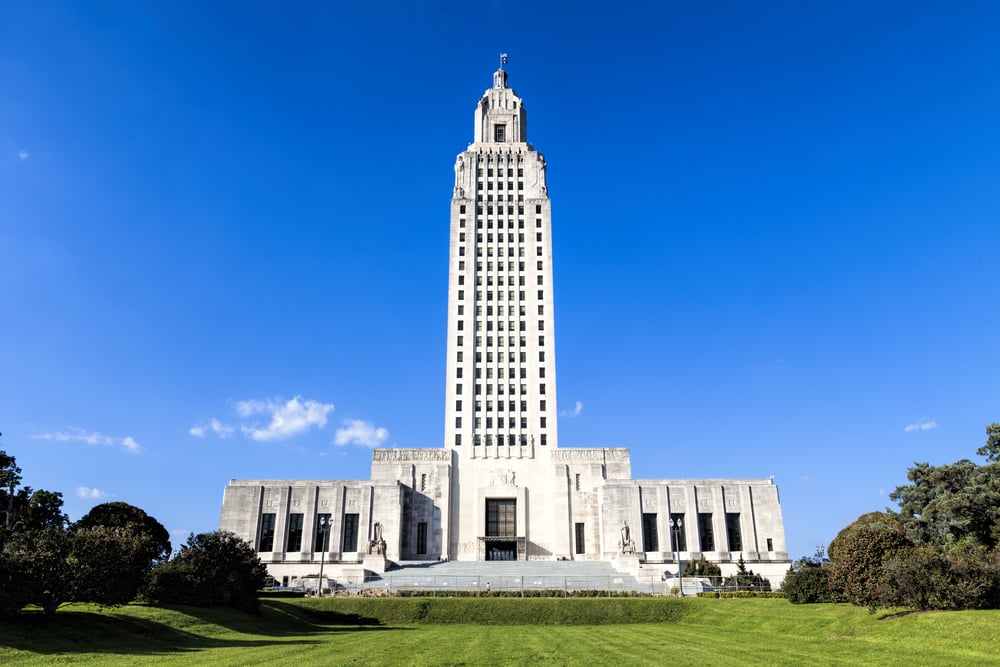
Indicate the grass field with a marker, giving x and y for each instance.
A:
(698, 632)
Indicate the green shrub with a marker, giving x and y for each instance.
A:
(808, 584)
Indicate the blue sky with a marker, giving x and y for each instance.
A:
(224, 228)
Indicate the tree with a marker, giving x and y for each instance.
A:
(857, 557)
(118, 515)
(212, 569)
(702, 568)
(808, 580)
(991, 450)
(40, 562)
(115, 546)
(745, 579)
(946, 504)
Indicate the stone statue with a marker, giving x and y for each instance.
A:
(626, 545)
(376, 545)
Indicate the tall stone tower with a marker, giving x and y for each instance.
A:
(500, 410)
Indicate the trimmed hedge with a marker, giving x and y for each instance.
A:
(741, 594)
(530, 593)
(493, 611)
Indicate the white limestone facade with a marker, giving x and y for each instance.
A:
(501, 488)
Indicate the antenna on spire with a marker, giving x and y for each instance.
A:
(503, 60)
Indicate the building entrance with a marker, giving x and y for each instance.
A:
(505, 550)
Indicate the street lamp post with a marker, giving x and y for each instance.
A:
(324, 532)
(677, 524)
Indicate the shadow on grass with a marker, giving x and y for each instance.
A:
(150, 631)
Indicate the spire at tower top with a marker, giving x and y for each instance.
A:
(500, 76)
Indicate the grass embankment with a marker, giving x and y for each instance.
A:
(425, 632)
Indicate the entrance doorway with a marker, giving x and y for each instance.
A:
(501, 550)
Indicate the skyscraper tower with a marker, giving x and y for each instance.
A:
(501, 390)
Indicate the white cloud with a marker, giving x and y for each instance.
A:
(88, 493)
(359, 432)
(74, 434)
(924, 424)
(287, 418)
(215, 426)
(23, 154)
(574, 412)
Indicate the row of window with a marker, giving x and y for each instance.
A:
(499, 238)
(489, 185)
(500, 294)
(512, 422)
(500, 253)
(499, 222)
(489, 310)
(520, 209)
(478, 389)
(706, 532)
(511, 440)
(500, 172)
(512, 406)
(521, 341)
(512, 373)
(522, 357)
(293, 533)
(521, 325)
(498, 280)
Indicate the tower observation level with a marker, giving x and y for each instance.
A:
(501, 387)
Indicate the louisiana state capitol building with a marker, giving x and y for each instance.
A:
(501, 487)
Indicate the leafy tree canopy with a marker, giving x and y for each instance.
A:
(125, 518)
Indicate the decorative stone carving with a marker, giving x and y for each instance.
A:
(376, 545)
(626, 545)
(410, 455)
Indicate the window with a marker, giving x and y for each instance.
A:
(524, 422)
(770, 544)
(733, 533)
(266, 540)
(423, 481)
(501, 518)
(650, 540)
(538, 208)
(458, 388)
(321, 539)
(499, 133)
(458, 406)
(350, 541)
(422, 537)
(705, 534)
(541, 422)
(544, 439)
(541, 372)
(459, 356)
(541, 405)
(458, 439)
(294, 533)
(461, 209)
(541, 341)
(576, 483)
(458, 422)
(678, 538)
(580, 541)
(541, 388)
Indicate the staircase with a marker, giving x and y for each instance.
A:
(482, 576)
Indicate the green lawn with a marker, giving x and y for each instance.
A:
(699, 632)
